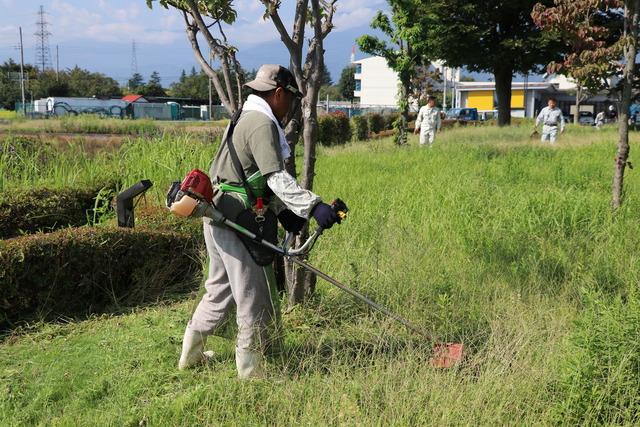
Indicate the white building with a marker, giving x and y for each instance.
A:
(60, 106)
(376, 83)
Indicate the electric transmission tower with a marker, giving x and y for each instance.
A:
(134, 59)
(43, 54)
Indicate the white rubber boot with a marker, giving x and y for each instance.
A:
(192, 346)
(249, 364)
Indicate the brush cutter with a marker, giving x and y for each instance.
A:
(534, 134)
(193, 197)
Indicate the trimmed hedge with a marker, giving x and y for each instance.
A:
(29, 211)
(334, 129)
(360, 128)
(375, 121)
(76, 272)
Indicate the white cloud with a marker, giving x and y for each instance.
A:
(9, 35)
(114, 24)
(249, 33)
(356, 13)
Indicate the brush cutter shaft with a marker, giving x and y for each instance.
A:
(365, 299)
(293, 254)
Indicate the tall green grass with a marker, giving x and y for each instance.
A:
(27, 162)
(488, 238)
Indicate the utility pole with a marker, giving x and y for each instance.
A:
(57, 64)
(210, 90)
(24, 107)
(444, 90)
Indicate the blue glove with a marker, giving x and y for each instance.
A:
(291, 222)
(324, 215)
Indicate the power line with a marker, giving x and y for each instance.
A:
(43, 54)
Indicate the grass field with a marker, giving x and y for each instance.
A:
(488, 238)
(91, 124)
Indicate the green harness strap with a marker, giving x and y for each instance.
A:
(257, 182)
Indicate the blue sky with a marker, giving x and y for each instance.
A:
(98, 34)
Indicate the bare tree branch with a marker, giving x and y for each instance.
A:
(327, 26)
(293, 45)
(192, 31)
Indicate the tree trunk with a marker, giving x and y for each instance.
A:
(403, 103)
(576, 116)
(503, 76)
(301, 283)
(631, 22)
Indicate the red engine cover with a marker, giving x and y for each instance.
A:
(198, 183)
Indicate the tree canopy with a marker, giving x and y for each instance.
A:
(153, 86)
(405, 50)
(592, 33)
(496, 36)
(347, 82)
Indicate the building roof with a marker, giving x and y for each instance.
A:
(370, 58)
(467, 86)
(133, 98)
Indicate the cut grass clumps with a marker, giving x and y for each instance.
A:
(28, 211)
(80, 271)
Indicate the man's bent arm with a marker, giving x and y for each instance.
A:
(418, 119)
(300, 201)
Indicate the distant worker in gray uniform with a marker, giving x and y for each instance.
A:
(428, 122)
(551, 118)
(600, 118)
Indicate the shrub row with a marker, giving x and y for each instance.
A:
(28, 211)
(336, 129)
(79, 271)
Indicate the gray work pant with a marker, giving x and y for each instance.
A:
(549, 133)
(427, 136)
(236, 280)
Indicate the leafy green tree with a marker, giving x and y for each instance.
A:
(194, 86)
(10, 83)
(405, 51)
(85, 83)
(135, 83)
(332, 91)
(588, 30)
(48, 84)
(496, 36)
(596, 43)
(153, 86)
(347, 83)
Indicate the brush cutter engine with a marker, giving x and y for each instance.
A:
(193, 197)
